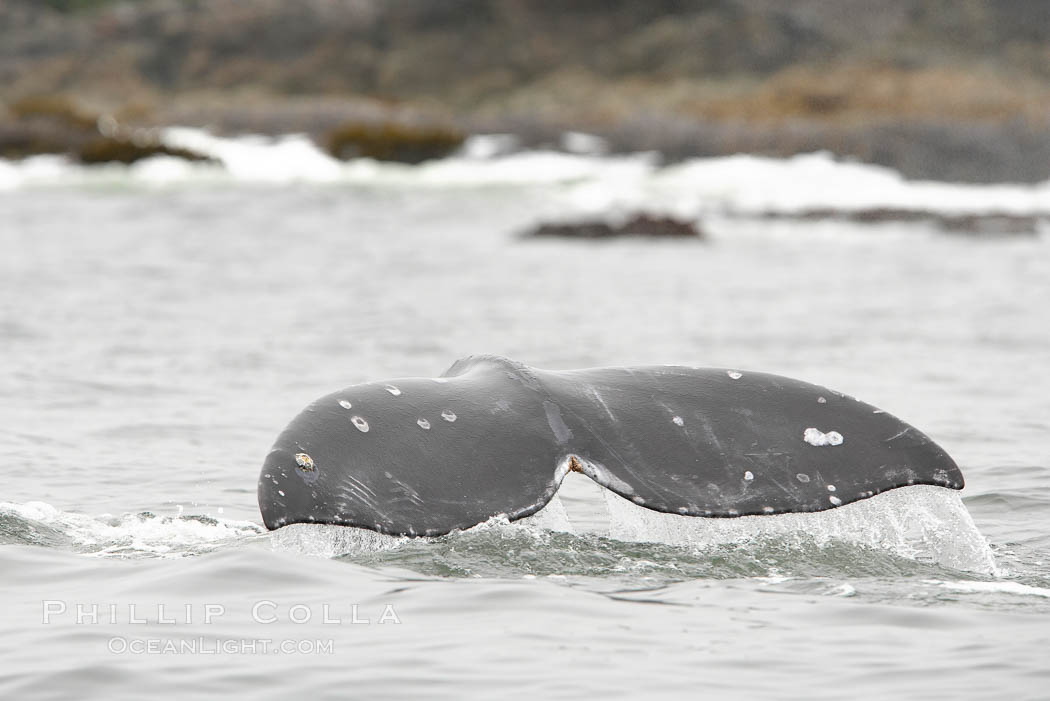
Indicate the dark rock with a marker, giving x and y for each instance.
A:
(55, 109)
(392, 142)
(19, 140)
(991, 224)
(639, 225)
(105, 149)
(977, 224)
(53, 124)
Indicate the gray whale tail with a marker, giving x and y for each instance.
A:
(425, 456)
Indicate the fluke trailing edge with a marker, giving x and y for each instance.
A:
(424, 456)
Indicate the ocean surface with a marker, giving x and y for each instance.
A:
(161, 323)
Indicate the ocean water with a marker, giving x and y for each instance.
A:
(160, 324)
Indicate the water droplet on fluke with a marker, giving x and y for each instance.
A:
(359, 423)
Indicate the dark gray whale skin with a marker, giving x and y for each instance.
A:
(695, 441)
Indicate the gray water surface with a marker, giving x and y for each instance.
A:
(155, 341)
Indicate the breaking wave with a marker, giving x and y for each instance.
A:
(589, 181)
(127, 536)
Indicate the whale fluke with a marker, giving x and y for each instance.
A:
(425, 456)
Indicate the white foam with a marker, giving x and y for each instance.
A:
(587, 183)
(259, 159)
(142, 534)
(485, 146)
(9, 175)
(580, 142)
(482, 161)
(814, 181)
(999, 587)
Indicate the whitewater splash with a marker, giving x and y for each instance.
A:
(922, 523)
(588, 182)
(326, 541)
(125, 536)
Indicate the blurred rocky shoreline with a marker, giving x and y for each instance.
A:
(956, 91)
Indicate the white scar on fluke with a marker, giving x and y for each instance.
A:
(816, 437)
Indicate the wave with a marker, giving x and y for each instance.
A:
(589, 182)
(127, 536)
